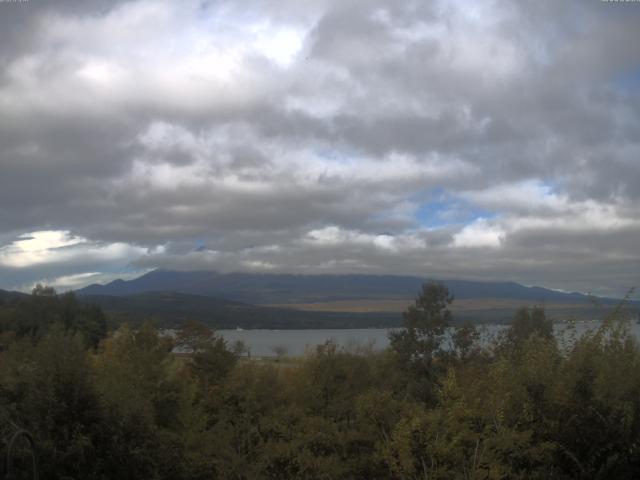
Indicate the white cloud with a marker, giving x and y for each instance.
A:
(151, 53)
(38, 247)
(522, 196)
(336, 236)
(280, 45)
(479, 234)
(60, 248)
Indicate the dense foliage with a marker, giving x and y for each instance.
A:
(438, 404)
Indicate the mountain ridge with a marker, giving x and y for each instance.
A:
(266, 288)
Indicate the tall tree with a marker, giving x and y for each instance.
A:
(527, 322)
(420, 341)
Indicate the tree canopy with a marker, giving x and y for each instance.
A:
(439, 403)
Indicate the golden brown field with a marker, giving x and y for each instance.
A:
(489, 310)
(368, 305)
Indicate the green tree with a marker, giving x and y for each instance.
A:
(529, 321)
(145, 398)
(465, 341)
(35, 315)
(46, 388)
(211, 359)
(420, 341)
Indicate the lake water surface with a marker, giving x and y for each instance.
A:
(262, 343)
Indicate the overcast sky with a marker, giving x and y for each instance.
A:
(456, 139)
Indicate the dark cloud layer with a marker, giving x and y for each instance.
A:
(452, 138)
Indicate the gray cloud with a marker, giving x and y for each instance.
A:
(451, 138)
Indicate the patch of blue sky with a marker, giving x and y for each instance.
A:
(443, 209)
(549, 187)
(628, 81)
(332, 155)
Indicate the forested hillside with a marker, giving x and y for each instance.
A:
(284, 301)
(437, 404)
(286, 288)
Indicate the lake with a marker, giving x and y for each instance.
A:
(262, 343)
